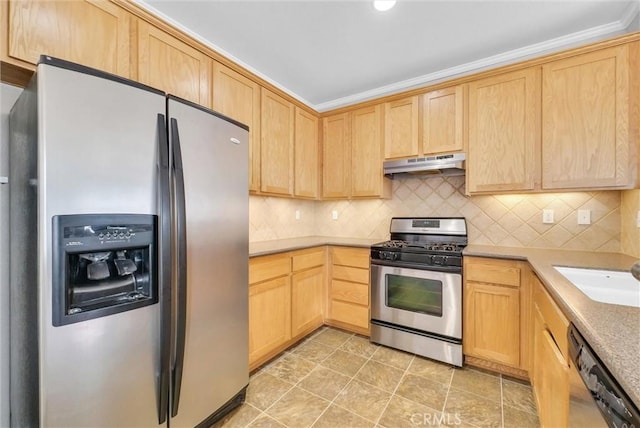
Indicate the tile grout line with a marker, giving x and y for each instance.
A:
(446, 397)
(406, 370)
(285, 353)
(332, 402)
(317, 364)
(352, 378)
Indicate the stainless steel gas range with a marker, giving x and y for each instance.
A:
(416, 287)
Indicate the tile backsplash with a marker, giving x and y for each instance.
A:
(509, 220)
(630, 229)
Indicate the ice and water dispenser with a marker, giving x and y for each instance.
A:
(102, 265)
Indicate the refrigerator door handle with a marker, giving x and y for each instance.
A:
(181, 265)
(164, 263)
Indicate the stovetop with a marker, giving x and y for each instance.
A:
(435, 247)
(423, 242)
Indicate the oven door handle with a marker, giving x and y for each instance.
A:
(418, 266)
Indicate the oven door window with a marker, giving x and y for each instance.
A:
(414, 294)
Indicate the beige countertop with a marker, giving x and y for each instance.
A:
(613, 331)
(280, 245)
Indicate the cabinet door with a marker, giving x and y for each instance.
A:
(269, 316)
(306, 155)
(238, 97)
(442, 120)
(367, 153)
(336, 156)
(585, 131)
(492, 323)
(276, 144)
(166, 63)
(550, 377)
(306, 300)
(91, 33)
(401, 128)
(504, 130)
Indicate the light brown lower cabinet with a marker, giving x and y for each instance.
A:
(269, 316)
(306, 300)
(286, 296)
(550, 374)
(496, 315)
(348, 297)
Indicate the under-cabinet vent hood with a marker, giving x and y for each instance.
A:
(447, 164)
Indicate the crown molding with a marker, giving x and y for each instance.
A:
(564, 42)
(152, 10)
(537, 49)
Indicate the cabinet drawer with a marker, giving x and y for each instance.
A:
(351, 274)
(349, 313)
(307, 259)
(267, 267)
(502, 272)
(554, 319)
(347, 256)
(350, 292)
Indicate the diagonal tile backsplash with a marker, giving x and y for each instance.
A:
(509, 220)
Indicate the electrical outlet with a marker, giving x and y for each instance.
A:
(584, 216)
(547, 216)
(298, 215)
(334, 215)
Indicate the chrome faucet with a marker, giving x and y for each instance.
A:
(635, 270)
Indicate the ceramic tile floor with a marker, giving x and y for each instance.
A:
(336, 379)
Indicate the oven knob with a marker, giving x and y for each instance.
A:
(438, 260)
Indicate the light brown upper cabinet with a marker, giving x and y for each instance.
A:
(401, 128)
(238, 97)
(504, 132)
(586, 135)
(306, 155)
(276, 144)
(367, 154)
(336, 156)
(171, 65)
(442, 120)
(91, 33)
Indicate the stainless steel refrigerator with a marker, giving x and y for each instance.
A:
(129, 255)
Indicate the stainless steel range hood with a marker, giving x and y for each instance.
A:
(446, 164)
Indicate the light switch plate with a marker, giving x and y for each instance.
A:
(547, 216)
(584, 216)
(298, 215)
(334, 215)
(638, 219)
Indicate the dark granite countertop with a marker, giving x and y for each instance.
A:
(613, 331)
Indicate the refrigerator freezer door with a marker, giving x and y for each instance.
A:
(215, 166)
(97, 152)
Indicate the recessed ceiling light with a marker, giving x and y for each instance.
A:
(384, 5)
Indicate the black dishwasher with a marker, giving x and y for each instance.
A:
(593, 387)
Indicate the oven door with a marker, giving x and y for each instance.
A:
(424, 300)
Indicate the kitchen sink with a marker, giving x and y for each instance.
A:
(606, 286)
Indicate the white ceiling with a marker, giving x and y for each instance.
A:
(333, 53)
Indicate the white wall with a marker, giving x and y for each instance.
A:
(8, 95)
